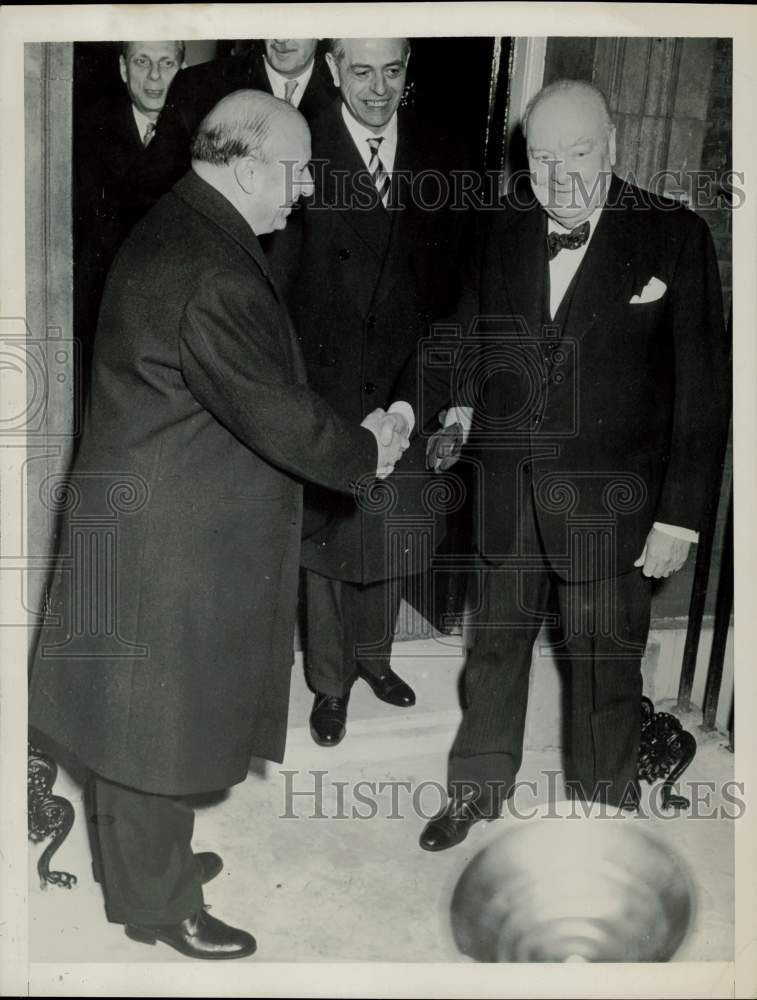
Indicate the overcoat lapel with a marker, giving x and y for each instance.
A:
(350, 189)
(343, 184)
(402, 219)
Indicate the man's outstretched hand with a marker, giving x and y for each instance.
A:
(392, 437)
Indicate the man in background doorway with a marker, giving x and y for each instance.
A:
(288, 68)
(111, 140)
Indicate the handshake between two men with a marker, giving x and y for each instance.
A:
(392, 432)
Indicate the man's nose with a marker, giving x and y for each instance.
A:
(378, 84)
(154, 73)
(560, 171)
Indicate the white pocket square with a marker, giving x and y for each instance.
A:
(651, 292)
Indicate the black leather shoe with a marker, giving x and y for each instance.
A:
(453, 823)
(199, 936)
(209, 863)
(328, 719)
(390, 688)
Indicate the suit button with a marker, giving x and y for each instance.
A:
(344, 254)
(370, 321)
(369, 388)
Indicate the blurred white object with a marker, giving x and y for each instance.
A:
(596, 889)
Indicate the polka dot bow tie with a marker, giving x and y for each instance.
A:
(567, 241)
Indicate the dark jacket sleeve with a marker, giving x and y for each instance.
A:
(440, 371)
(702, 383)
(235, 362)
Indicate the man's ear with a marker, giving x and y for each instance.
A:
(611, 145)
(333, 67)
(122, 67)
(244, 173)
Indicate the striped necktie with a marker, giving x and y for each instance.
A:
(377, 171)
(289, 88)
(149, 133)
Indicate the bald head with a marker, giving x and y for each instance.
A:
(570, 94)
(242, 125)
(255, 149)
(571, 149)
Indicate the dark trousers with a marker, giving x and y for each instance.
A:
(350, 629)
(601, 629)
(142, 854)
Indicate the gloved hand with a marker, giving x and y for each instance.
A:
(444, 447)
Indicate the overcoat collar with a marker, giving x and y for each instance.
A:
(204, 198)
(346, 185)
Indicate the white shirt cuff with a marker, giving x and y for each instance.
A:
(685, 534)
(405, 410)
(462, 415)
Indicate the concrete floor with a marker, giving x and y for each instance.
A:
(314, 882)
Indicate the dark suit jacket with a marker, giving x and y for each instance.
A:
(193, 93)
(107, 153)
(618, 419)
(362, 284)
(200, 410)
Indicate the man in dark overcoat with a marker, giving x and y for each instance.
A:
(598, 379)
(170, 668)
(371, 262)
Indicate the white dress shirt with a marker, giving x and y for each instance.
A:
(278, 82)
(562, 270)
(563, 266)
(360, 136)
(143, 122)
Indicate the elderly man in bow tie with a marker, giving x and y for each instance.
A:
(600, 420)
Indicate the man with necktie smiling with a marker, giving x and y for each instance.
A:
(364, 270)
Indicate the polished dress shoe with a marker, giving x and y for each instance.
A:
(328, 719)
(453, 823)
(198, 936)
(208, 863)
(390, 688)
